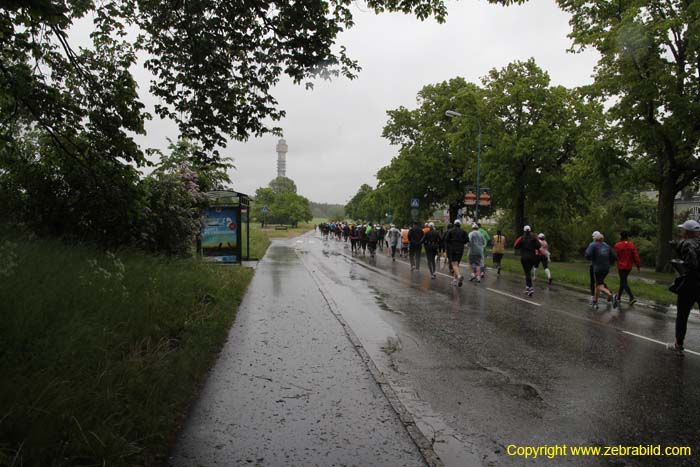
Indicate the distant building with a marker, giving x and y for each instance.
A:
(687, 201)
(282, 158)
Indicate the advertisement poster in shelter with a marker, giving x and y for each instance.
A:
(220, 234)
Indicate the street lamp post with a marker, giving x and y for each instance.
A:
(451, 114)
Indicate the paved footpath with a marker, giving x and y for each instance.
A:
(290, 388)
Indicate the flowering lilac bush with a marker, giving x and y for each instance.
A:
(172, 215)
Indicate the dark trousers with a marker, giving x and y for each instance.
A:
(528, 264)
(393, 251)
(685, 303)
(430, 256)
(624, 285)
(372, 247)
(497, 257)
(414, 255)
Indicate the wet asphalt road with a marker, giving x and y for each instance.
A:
(290, 388)
(483, 367)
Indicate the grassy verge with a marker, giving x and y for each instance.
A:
(577, 274)
(100, 355)
(260, 238)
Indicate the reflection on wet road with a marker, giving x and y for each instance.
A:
(483, 367)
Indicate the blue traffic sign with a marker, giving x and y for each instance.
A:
(415, 202)
(264, 209)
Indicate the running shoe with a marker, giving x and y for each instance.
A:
(531, 292)
(471, 279)
(594, 304)
(615, 302)
(454, 282)
(498, 271)
(432, 276)
(633, 301)
(549, 282)
(461, 280)
(675, 348)
(478, 280)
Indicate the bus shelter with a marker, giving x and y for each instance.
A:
(225, 236)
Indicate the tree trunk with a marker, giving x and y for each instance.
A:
(519, 210)
(664, 228)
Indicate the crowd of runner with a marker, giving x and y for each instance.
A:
(451, 245)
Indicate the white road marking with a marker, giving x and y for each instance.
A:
(487, 288)
(582, 318)
(513, 296)
(658, 342)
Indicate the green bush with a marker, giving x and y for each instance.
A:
(646, 249)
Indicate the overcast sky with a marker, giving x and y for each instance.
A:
(334, 131)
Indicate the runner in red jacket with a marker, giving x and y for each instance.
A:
(627, 257)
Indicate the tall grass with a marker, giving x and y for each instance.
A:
(100, 354)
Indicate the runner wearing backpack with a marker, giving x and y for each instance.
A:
(601, 256)
(372, 239)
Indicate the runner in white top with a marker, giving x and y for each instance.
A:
(542, 256)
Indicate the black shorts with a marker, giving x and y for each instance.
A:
(497, 257)
(600, 277)
(543, 261)
(456, 256)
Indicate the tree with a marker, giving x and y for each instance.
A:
(538, 142)
(327, 211)
(283, 185)
(538, 130)
(353, 208)
(649, 71)
(211, 171)
(284, 205)
(373, 206)
(53, 195)
(214, 65)
(437, 156)
(290, 208)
